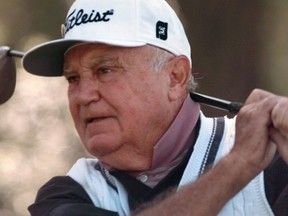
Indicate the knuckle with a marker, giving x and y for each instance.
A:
(280, 113)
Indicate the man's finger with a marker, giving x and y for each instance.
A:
(258, 95)
(280, 115)
(281, 140)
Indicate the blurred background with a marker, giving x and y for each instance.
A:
(236, 46)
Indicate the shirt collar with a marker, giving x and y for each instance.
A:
(179, 136)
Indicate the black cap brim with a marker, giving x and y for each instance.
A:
(47, 59)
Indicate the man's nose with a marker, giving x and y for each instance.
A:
(87, 91)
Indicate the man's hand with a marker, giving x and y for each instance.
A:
(279, 131)
(261, 129)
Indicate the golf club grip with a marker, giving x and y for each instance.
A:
(232, 107)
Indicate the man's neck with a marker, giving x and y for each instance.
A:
(173, 145)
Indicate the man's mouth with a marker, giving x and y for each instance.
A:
(94, 120)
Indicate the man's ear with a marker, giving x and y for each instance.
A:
(179, 74)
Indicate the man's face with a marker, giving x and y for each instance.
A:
(119, 105)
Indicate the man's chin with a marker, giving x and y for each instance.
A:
(101, 149)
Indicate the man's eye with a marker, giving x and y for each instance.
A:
(104, 70)
(72, 79)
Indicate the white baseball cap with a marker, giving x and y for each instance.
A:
(126, 23)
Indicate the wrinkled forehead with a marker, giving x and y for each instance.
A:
(100, 48)
(90, 54)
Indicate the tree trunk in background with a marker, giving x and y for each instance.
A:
(225, 46)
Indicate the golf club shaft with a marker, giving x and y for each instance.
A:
(16, 53)
(232, 107)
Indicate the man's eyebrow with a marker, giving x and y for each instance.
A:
(103, 59)
(94, 62)
(67, 70)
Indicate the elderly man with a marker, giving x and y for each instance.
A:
(128, 67)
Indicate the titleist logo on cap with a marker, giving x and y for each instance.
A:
(77, 18)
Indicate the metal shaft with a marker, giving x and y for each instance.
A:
(15, 53)
(232, 107)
